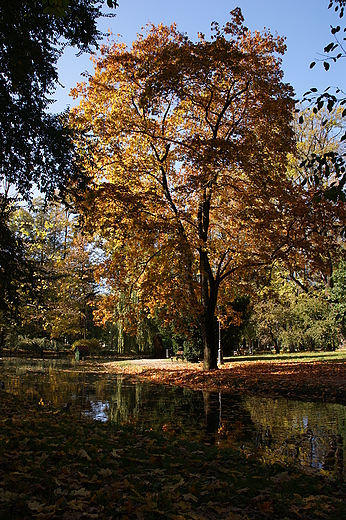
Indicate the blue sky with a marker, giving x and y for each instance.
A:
(304, 23)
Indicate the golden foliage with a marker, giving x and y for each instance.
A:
(186, 144)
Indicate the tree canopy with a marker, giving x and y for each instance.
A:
(186, 143)
(329, 165)
(36, 145)
(16, 270)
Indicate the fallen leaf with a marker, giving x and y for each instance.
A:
(82, 492)
(178, 484)
(35, 506)
(105, 472)
(190, 496)
(84, 454)
(115, 453)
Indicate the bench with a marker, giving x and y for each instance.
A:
(180, 354)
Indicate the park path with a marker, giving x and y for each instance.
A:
(165, 364)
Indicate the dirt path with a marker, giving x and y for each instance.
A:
(162, 364)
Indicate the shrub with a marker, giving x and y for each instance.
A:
(33, 346)
(193, 347)
(93, 344)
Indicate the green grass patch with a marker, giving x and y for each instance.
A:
(296, 357)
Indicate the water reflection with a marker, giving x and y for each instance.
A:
(309, 435)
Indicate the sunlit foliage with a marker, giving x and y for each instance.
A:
(186, 144)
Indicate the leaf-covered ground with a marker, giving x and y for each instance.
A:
(316, 380)
(56, 465)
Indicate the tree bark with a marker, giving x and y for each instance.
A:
(209, 342)
(208, 300)
(209, 290)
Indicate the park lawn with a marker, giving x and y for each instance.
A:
(54, 464)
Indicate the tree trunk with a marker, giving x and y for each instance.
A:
(208, 300)
(209, 290)
(209, 342)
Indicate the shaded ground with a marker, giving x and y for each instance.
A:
(56, 465)
(315, 380)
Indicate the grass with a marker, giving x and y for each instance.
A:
(296, 357)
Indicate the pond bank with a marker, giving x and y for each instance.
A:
(315, 380)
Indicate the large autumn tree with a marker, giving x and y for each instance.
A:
(186, 144)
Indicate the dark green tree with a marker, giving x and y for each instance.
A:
(16, 271)
(339, 296)
(36, 146)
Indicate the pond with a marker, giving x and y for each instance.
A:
(310, 435)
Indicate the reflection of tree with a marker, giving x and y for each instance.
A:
(235, 426)
(299, 432)
(56, 382)
(175, 410)
(212, 414)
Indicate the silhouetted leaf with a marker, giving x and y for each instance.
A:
(330, 105)
(329, 47)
